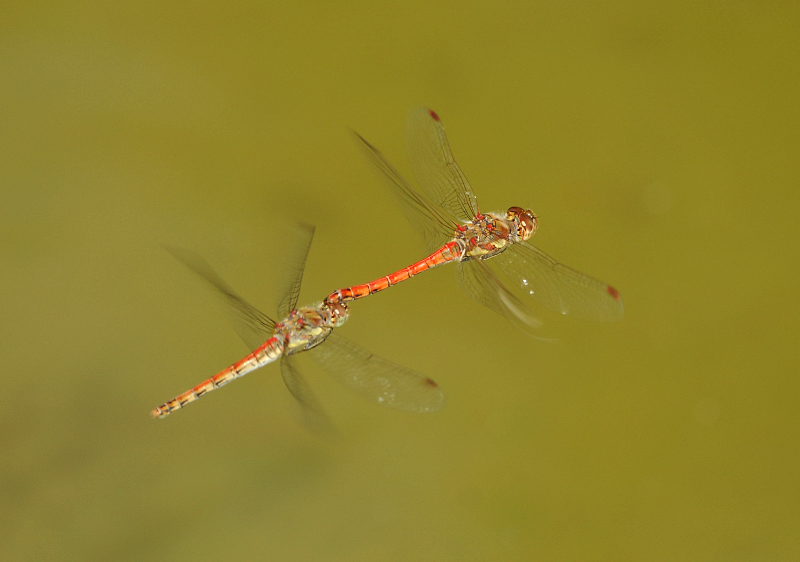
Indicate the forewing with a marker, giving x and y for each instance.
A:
(313, 414)
(252, 325)
(558, 287)
(378, 379)
(294, 262)
(433, 222)
(434, 166)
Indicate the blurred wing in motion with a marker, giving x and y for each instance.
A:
(557, 287)
(435, 224)
(377, 379)
(434, 166)
(480, 283)
(299, 243)
(252, 325)
(313, 415)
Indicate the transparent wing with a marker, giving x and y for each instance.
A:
(294, 264)
(558, 287)
(434, 166)
(377, 379)
(480, 283)
(252, 325)
(435, 224)
(313, 415)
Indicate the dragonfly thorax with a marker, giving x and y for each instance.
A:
(308, 327)
(486, 235)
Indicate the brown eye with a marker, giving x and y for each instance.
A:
(525, 219)
(340, 313)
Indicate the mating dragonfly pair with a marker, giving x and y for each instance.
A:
(447, 214)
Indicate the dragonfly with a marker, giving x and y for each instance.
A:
(487, 246)
(309, 328)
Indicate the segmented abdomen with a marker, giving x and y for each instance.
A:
(267, 353)
(452, 251)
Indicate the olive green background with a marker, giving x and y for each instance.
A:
(657, 142)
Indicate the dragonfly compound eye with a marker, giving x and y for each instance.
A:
(339, 312)
(527, 221)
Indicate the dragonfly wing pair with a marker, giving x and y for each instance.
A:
(558, 287)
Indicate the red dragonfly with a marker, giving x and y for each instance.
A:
(306, 329)
(455, 229)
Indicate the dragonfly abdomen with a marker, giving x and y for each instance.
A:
(452, 251)
(267, 353)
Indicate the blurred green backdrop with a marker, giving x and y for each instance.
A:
(658, 143)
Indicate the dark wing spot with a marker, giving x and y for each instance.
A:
(430, 382)
(433, 114)
(613, 292)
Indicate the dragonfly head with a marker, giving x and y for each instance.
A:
(525, 219)
(339, 313)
